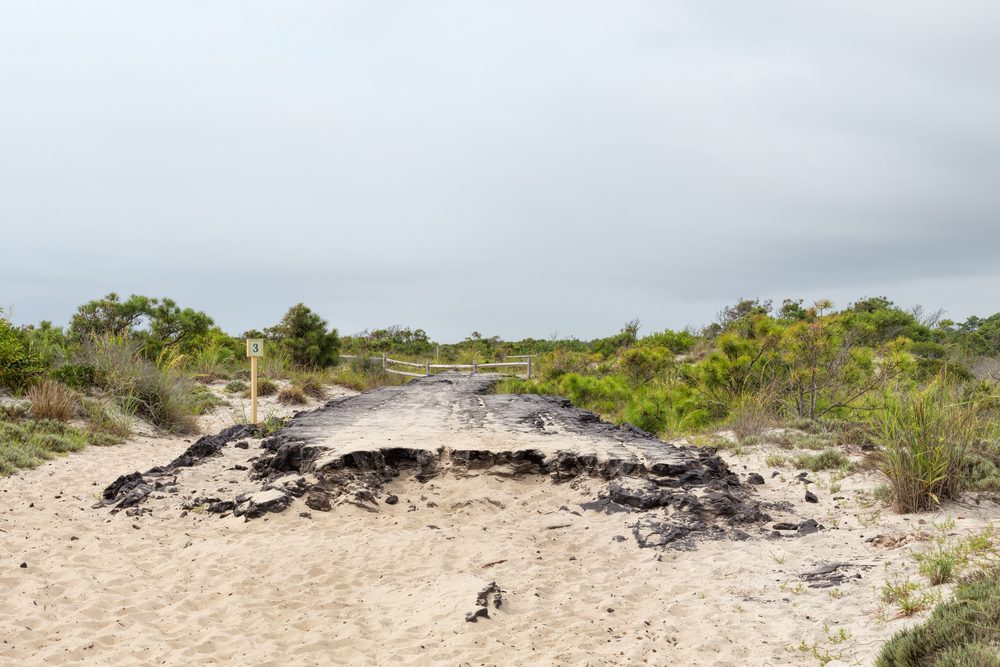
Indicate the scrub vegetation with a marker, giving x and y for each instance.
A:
(139, 357)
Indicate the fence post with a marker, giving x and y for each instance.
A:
(529, 368)
(384, 364)
(475, 367)
(427, 369)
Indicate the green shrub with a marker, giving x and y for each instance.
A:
(305, 336)
(926, 434)
(963, 632)
(106, 419)
(77, 376)
(19, 367)
(311, 385)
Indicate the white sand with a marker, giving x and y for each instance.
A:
(350, 586)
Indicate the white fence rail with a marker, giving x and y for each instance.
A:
(428, 367)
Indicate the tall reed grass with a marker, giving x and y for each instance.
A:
(926, 434)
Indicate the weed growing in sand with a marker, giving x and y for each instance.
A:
(311, 384)
(839, 636)
(236, 387)
(775, 461)
(829, 459)
(940, 565)
(946, 560)
(799, 440)
(272, 424)
(821, 654)
(835, 593)
(266, 387)
(905, 596)
(944, 525)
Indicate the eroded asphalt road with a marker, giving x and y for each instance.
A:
(448, 424)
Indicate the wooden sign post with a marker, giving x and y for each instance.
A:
(255, 350)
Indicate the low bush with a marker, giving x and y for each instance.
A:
(203, 399)
(236, 387)
(77, 376)
(963, 632)
(266, 387)
(828, 459)
(28, 443)
(52, 400)
(752, 414)
(19, 367)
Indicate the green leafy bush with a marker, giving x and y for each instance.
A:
(77, 376)
(19, 367)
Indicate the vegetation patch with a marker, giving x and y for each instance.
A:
(962, 632)
(926, 435)
(236, 387)
(28, 443)
(292, 395)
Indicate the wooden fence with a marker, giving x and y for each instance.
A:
(428, 367)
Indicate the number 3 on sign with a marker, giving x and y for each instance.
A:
(255, 347)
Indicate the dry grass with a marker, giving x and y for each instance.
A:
(292, 396)
(52, 400)
(311, 385)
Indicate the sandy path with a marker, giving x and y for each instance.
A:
(393, 587)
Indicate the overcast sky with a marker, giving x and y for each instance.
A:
(516, 168)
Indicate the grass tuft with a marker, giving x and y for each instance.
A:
(292, 395)
(52, 400)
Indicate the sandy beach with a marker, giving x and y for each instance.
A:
(393, 586)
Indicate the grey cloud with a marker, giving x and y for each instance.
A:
(518, 168)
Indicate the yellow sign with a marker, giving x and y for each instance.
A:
(255, 347)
